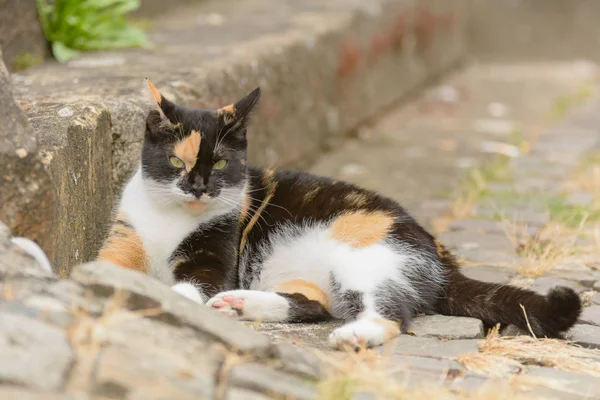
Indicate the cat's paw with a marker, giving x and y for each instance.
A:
(363, 333)
(251, 305)
(189, 291)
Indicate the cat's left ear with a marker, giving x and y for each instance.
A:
(165, 108)
(239, 112)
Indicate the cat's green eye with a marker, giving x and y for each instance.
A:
(220, 164)
(176, 162)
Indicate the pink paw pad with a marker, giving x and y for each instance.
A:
(236, 303)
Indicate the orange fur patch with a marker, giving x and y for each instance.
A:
(271, 186)
(228, 113)
(125, 248)
(246, 204)
(187, 149)
(306, 288)
(361, 229)
(154, 91)
(439, 247)
(391, 328)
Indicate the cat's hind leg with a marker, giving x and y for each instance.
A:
(373, 326)
(292, 301)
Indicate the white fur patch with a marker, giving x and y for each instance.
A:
(361, 333)
(255, 305)
(189, 291)
(31, 248)
(310, 253)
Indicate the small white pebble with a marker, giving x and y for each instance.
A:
(353, 169)
(497, 110)
(448, 94)
(22, 153)
(65, 112)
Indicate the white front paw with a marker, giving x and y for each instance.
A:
(251, 305)
(188, 290)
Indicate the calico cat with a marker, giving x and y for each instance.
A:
(275, 245)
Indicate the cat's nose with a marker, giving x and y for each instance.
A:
(198, 189)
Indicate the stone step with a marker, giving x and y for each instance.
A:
(324, 67)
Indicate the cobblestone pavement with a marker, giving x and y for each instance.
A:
(502, 162)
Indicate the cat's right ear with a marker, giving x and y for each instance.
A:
(162, 114)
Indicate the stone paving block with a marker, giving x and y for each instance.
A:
(585, 277)
(262, 379)
(585, 335)
(590, 316)
(580, 383)
(489, 274)
(485, 256)
(441, 326)
(597, 285)
(430, 347)
(468, 240)
(596, 298)
(477, 225)
(425, 363)
(544, 284)
(32, 353)
(105, 279)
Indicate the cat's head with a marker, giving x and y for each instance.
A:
(196, 158)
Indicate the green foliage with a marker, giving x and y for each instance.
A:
(25, 60)
(80, 25)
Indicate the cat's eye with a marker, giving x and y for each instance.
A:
(220, 164)
(176, 162)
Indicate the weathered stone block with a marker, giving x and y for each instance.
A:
(27, 201)
(545, 284)
(32, 353)
(590, 316)
(585, 335)
(21, 34)
(441, 326)
(489, 274)
(262, 379)
(76, 141)
(105, 280)
(431, 347)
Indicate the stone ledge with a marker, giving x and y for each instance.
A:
(324, 69)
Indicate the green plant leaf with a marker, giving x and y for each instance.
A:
(62, 53)
(80, 25)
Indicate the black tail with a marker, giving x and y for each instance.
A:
(549, 316)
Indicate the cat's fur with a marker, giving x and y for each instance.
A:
(276, 245)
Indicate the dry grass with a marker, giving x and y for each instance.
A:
(374, 374)
(552, 246)
(555, 353)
